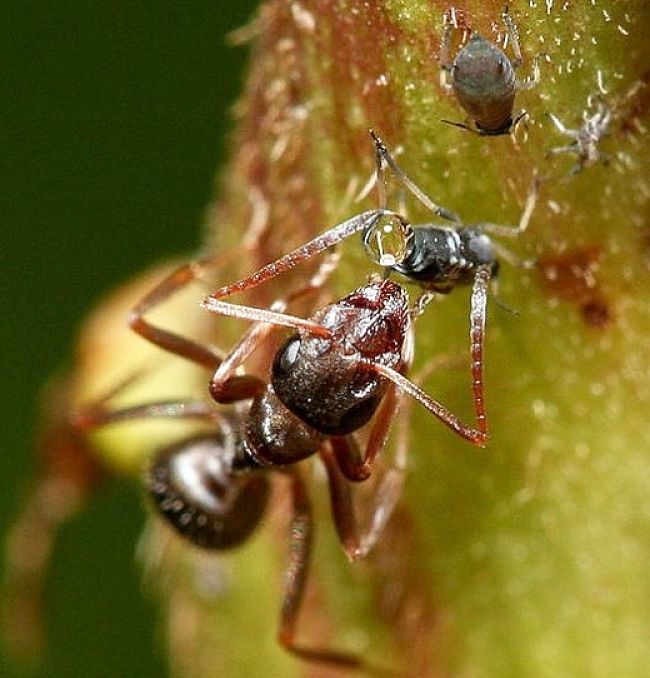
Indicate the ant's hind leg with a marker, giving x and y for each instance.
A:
(300, 548)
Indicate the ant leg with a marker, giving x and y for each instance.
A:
(184, 275)
(68, 474)
(383, 153)
(358, 223)
(165, 339)
(478, 312)
(93, 417)
(300, 547)
(477, 316)
(357, 542)
(357, 466)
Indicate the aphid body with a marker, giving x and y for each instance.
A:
(484, 79)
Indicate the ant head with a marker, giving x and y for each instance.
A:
(192, 487)
(371, 322)
(330, 382)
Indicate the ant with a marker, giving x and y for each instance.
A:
(483, 78)
(439, 258)
(341, 369)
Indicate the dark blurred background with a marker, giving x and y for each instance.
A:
(115, 121)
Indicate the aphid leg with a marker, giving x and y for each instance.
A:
(446, 66)
(513, 36)
(223, 380)
(561, 128)
(533, 79)
(384, 155)
(557, 150)
(300, 547)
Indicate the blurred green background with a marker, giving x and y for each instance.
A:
(115, 118)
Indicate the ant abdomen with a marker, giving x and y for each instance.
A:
(193, 487)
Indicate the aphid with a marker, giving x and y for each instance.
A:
(440, 258)
(484, 79)
(586, 139)
(339, 371)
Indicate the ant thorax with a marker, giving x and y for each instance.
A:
(440, 258)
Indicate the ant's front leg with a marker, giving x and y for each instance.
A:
(357, 466)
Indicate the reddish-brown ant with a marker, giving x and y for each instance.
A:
(483, 78)
(342, 368)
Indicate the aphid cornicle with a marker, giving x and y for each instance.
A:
(484, 79)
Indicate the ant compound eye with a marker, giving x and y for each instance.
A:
(286, 356)
(388, 241)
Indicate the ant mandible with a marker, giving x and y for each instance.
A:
(484, 79)
(338, 372)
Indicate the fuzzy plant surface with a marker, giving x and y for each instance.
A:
(526, 559)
